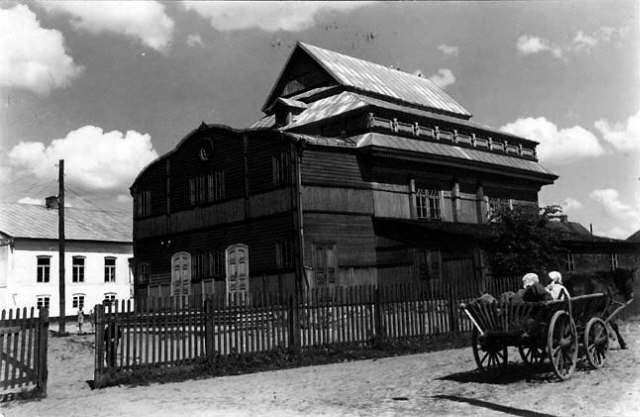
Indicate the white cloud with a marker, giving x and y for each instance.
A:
(32, 58)
(623, 137)
(449, 50)
(93, 159)
(194, 40)
(556, 145)
(626, 216)
(581, 42)
(528, 45)
(145, 21)
(270, 16)
(443, 77)
(30, 200)
(123, 198)
(570, 204)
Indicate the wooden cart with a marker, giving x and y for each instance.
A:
(562, 330)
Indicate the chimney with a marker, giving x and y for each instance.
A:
(51, 202)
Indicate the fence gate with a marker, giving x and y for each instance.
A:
(23, 353)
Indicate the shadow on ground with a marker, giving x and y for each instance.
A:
(493, 406)
(512, 373)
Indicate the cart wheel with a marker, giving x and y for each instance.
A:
(531, 354)
(490, 354)
(562, 343)
(596, 340)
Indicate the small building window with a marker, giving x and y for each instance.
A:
(142, 203)
(78, 301)
(428, 203)
(199, 265)
(614, 261)
(109, 299)
(281, 169)
(571, 265)
(42, 301)
(77, 269)
(216, 266)
(43, 268)
(110, 269)
(325, 264)
(284, 254)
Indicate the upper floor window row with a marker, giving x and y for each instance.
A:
(207, 188)
(428, 203)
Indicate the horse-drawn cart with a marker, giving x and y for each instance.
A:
(562, 330)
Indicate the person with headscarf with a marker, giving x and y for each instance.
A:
(533, 290)
(555, 288)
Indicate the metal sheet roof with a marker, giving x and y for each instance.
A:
(367, 76)
(447, 150)
(37, 222)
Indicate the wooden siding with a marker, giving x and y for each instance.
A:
(337, 199)
(260, 151)
(153, 181)
(338, 168)
(390, 204)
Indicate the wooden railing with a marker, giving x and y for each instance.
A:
(23, 353)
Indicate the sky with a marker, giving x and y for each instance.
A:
(108, 86)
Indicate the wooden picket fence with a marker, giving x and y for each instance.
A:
(178, 332)
(23, 353)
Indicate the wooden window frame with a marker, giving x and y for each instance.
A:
(77, 270)
(285, 254)
(110, 270)
(614, 261)
(43, 272)
(77, 301)
(428, 202)
(324, 269)
(281, 169)
(43, 301)
(571, 262)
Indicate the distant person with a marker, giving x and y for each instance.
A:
(80, 320)
(555, 288)
(91, 319)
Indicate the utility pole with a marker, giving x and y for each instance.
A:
(61, 283)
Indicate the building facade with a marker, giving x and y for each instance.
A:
(97, 253)
(357, 174)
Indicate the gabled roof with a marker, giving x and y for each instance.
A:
(634, 237)
(37, 222)
(373, 78)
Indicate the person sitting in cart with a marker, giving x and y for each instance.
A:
(555, 288)
(532, 289)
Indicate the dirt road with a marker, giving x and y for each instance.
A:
(437, 383)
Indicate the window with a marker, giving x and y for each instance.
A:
(325, 264)
(78, 301)
(199, 266)
(109, 269)
(571, 266)
(428, 203)
(197, 190)
(109, 299)
(216, 263)
(428, 264)
(281, 166)
(284, 254)
(142, 203)
(43, 301)
(43, 268)
(215, 185)
(77, 267)
(614, 261)
(143, 272)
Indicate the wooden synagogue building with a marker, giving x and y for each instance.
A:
(357, 174)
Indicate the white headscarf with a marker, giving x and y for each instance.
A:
(556, 277)
(529, 279)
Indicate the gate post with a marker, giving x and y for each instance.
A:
(294, 324)
(453, 308)
(208, 330)
(43, 335)
(98, 326)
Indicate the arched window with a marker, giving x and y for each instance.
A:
(180, 274)
(237, 274)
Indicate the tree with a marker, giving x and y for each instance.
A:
(522, 242)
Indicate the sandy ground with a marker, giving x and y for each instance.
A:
(439, 383)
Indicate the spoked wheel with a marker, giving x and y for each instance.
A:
(531, 354)
(596, 342)
(562, 344)
(490, 354)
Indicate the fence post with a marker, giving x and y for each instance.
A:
(294, 324)
(453, 308)
(377, 316)
(208, 330)
(98, 326)
(43, 334)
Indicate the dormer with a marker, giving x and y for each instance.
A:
(285, 110)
